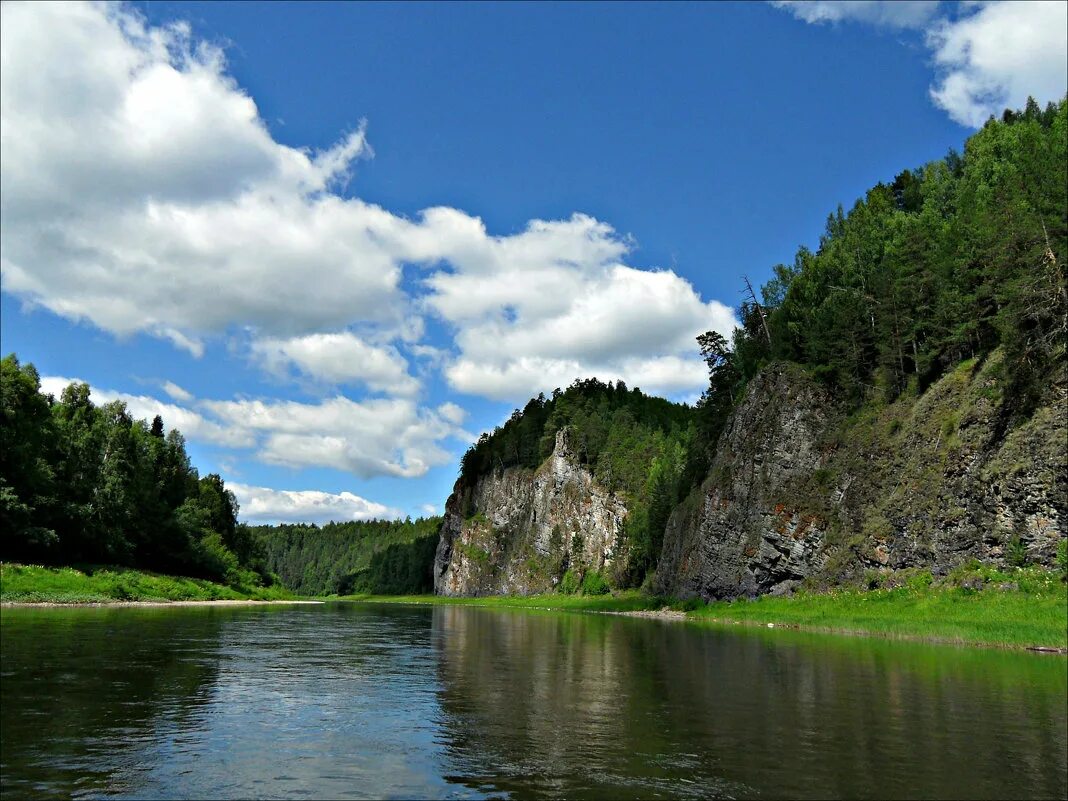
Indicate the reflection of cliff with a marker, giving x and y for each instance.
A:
(566, 705)
(87, 679)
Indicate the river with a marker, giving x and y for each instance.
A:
(374, 701)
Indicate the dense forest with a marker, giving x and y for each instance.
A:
(948, 261)
(379, 556)
(87, 484)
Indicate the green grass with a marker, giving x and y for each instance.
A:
(988, 617)
(1034, 612)
(626, 601)
(66, 585)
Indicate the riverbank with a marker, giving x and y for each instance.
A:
(34, 585)
(1025, 608)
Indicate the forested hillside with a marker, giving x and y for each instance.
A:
(81, 483)
(956, 260)
(379, 556)
(631, 443)
(947, 262)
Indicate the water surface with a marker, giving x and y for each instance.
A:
(357, 701)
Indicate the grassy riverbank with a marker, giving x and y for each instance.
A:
(66, 585)
(974, 606)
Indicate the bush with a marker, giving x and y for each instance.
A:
(569, 584)
(1016, 553)
(593, 583)
(1062, 558)
(217, 560)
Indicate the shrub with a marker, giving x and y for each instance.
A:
(593, 583)
(1062, 558)
(569, 583)
(1016, 553)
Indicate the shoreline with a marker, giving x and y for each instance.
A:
(674, 615)
(217, 602)
(934, 626)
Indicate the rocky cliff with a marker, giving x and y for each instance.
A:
(516, 531)
(800, 492)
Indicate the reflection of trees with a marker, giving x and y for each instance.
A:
(81, 685)
(591, 706)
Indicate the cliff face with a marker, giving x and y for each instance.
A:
(799, 491)
(517, 530)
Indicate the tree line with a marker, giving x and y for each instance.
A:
(385, 557)
(88, 484)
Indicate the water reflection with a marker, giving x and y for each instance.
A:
(353, 701)
(602, 707)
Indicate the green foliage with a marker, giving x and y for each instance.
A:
(1062, 558)
(379, 556)
(1016, 552)
(94, 584)
(81, 483)
(569, 583)
(593, 583)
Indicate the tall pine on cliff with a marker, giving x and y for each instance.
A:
(81, 483)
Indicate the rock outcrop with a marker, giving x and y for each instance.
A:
(800, 492)
(516, 531)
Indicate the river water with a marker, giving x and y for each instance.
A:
(361, 701)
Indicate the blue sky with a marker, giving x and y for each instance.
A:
(219, 211)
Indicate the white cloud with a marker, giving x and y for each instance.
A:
(264, 505)
(176, 392)
(339, 358)
(539, 309)
(988, 56)
(377, 437)
(144, 193)
(997, 57)
(193, 425)
(892, 13)
(370, 438)
(430, 510)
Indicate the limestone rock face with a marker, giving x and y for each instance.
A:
(735, 536)
(798, 491)
(517, 530)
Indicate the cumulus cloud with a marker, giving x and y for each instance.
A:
(997, 57)
(339, 358)
(192, 424)
(988, 56)
(536, 310)
(176, 392)
(892, 13)
(264, 505)
(144, 193)
(377, 437)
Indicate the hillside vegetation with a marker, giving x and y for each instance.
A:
(87, 484)
(378, 556)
